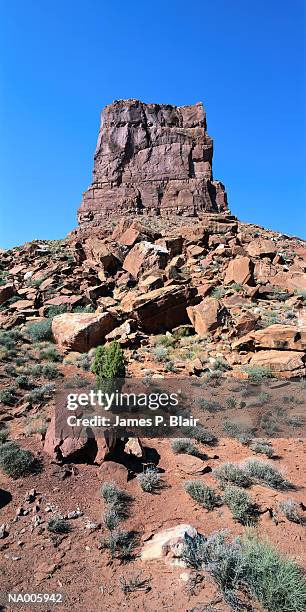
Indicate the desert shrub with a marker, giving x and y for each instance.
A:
(40, 394)
(35, 370)
(240, 504)
(23, 382)
(258, 374)
(4, 434)
(230, 473)
(112, 516)
(160, 353)
(8, 339)
(202, 494)
(134, 583)
(262, 447)
(209, 405)
(121, 544)
(8, 396)
(50, 372)
(291, 510)
(52, 311)
(268, 423)
(275, 580)
(58, 525)
(165, 340)
(200, 434)
(221, 365)
(112, 494)
(184, 446)
(15, 461)
(266, 473)
(231, 402)
(194, 551)
(40, 331)
(50, 353)
(149, 480)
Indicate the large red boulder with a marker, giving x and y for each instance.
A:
(82, 331)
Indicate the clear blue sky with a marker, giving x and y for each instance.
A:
(63, 60)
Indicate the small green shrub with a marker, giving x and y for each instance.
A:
(240, 504)
(184, 446)
(4, 434)
(149, 480)
(275, 580)
(40, 394)
(262, 447)
(291, 510)
(266, 473)
(108, 364)
(121, 544)
(23, 382)
(15, 461)
(50, 353)
(50, 372)
(230, 473)
(194, 551)
(112, 494)
(202, 494)
(111, 516)
(209, 405)
(231, 402)
(40, 331)
(258, 374)
(58, 525)
(8, 396)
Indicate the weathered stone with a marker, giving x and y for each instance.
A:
(278, 361)
(6, 292)
(134, 447)
(151, 158)
(161, 309)
(191, 465)
(105, 255)
(261, 248)
(168, 544)
(239, 270)
(82, 331)
(145, 256)
(206, 316)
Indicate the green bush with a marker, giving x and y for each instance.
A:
(109, 361)
(4, 434)
(121, 544)
(276, 581)
(262, 447)
(50, 353)
(112, 516)
(8, 396)
(149, 480)
(50, 372)
(15, 461)
(230, 473)
(240, 504)
(202, 494)
(40, 394)
(184, 446)
(291, 510)
(209, 405)
(258, 374)
(266, 473)
(112, 494)
(40, 331)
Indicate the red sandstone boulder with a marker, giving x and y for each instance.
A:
(239, 271)
(206, 316)
(279, 336)
(82, 331)
(261, 248)
(145, 256)
(6, 292)
(161, 309)
(279, 361)
(106, 256)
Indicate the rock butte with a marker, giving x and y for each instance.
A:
(153, 159)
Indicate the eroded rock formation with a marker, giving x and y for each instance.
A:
(153, 159)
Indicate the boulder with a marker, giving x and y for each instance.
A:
(278, 361)
(191, 465)
(239, 271)
(261, 248)
(6, 292)
(145, 256)
(82, 331)
(97, 251)
(280, 336)
(206, 316)
(173, 244)
(168, 544)
(161, 309)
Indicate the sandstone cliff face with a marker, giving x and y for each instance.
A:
(153, 159)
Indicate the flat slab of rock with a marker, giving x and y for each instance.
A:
(191, 465)
(168, 544)
(82, 331)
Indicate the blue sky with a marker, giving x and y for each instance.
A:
(63, 60)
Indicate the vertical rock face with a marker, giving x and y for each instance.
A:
(153, 159)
